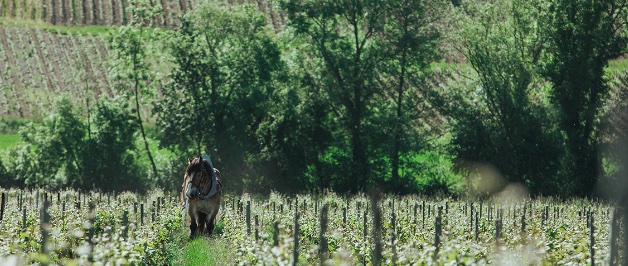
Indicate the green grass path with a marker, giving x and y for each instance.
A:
(206, 251)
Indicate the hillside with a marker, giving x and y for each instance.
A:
(112, 12)
(41, 64)
(56, 47)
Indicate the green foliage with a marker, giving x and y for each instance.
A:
(93, 30)
(11, 125)
(59, 29)
(104, 221)
(61, 151)
(226, 69)
(366, 62)
(585, 36)
(6, 180)
(70, 226)
(534, 108)
(340, 34)
(409, 44)
(110, 158)
(131, 67)
(51, 149)
(434, 174)
(502, 117)
(203, 251)
(345, 95)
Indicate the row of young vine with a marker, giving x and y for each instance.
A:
(413, 230)
(75, 227)
(80, 228)
(40, 64)
(115, 12)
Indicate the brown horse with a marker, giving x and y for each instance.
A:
(201, 194)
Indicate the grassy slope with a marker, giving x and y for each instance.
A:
(8, 140)
(620, 64)
(38, 24)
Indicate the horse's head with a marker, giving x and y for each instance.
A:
(199, 178)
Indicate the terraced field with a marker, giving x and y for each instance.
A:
(41, 57)
(41, 64)
(114, 12)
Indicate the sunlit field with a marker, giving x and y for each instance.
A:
(72, 227)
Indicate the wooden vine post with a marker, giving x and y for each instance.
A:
(364, 225)
(44, 227)
(393, 222)
(614, 239)
(438, 227)
(152, 213)
(523, 220)
(248, 217)
(91, 231)
(322, 251)
(623, 214)
(498, 227)
(416, 205)
(2, 204)
(256, 228)
(377, 228)
(125, 223)
(142, 214)
(63, 210)
(344, 216)
(24, 218)
(592, 237)
(471, 216)
(295, 251)
(276, 234)
(477, 233)
(423, 211)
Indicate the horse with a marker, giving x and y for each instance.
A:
(201, 192)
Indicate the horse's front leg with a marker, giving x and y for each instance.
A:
(202, 219)
(211, 220)
(193, 226)
(210, 225)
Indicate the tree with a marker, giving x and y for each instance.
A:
(585, 35)
(225, 66)
(56, 152)
(409, 40)
(131, 60)
(342, 34)
(110, 157)
(298, 130)
(6, 180)
(373, 56)
(50, 152)
(503, 119)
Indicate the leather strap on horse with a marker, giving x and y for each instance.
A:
(215, 188)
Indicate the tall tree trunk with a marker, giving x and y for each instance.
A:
(139, 121)
(137, 106)
(360, 169)
(398, 125)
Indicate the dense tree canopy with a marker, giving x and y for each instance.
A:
(227, 67)
(347, 95)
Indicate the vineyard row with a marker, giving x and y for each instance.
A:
(116, 12)
(313, 228)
